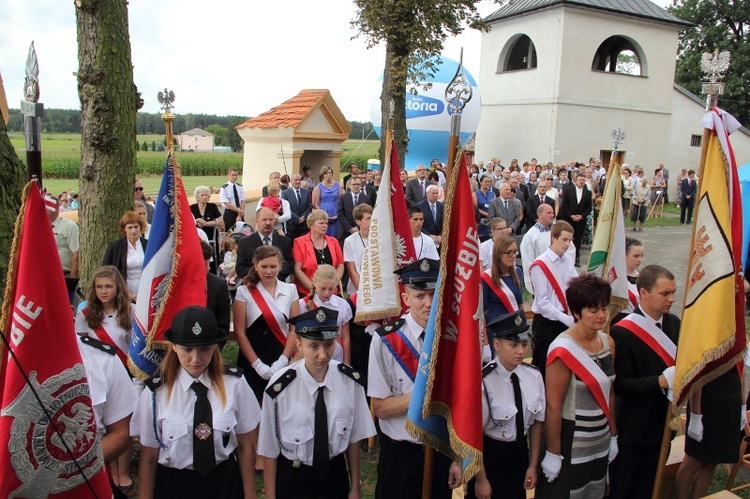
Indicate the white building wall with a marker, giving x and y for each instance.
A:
(263, 155)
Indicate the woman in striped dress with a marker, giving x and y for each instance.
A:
(580, 430)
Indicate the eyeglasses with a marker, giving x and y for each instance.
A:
(510, 252)
(138, 189)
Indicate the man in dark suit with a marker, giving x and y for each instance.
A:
(353, 172)
(688, 188)
(217, 292)
(642, 382)
(300, 202)
(264, 236)
(416, 188)
(433, 223)
(575, 207)
(562, 181)
(368, 189)
(533, 203)
(346, 204)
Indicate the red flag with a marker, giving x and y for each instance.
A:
(49, 439)
(445, 411)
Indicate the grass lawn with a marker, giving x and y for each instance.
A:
(150, 184)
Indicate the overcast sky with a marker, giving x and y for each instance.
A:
(219, 57)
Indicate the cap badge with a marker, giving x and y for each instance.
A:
(197, 329)
(320, 316)
(518, 320)
(424, 266)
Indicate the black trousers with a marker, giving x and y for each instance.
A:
(303, 483)
(505, 464)
(229, 217)
(633, 472)
(224, 482)
(578, 229)
(400, 471)
(687, 206)
(543, 333)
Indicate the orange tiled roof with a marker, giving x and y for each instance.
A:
(288, 114)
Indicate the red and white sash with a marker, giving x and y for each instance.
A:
(578, 361)
(503, 292)
(104, 337)
(632, 297)
(652, 336)
(553, 279)
(269, 309)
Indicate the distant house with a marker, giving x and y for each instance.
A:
(197, 140)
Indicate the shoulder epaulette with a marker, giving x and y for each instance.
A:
(529, 364)
(99, 345)
(284, 380)
(153, 382)
(488, 368)
(225, 185)
(348, 370)
(389, 328)
(233, 371)
(238, 184)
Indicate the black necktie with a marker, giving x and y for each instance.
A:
(356, 199)
(321, 465)
(519, 407)
(299, 200)
(266, 241)
(236, 195)
(204, 459)
(541, 199)
(658, 324)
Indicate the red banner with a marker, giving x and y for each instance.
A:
(47, 424)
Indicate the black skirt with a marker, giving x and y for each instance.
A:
(266, 347)
(505, 464)
(302, 483)
(720, 402)
(224, 482)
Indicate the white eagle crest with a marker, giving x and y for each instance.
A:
(76, 428)
(715, 64)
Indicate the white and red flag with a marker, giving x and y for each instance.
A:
(48, 432)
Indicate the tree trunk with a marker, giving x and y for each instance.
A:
(108, 116)
(394, 90)
(12, 177)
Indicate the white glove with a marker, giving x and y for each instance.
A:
(280, 363)
(743, 417)
(614, 449)
(695, 430)
(670, 395)
(139, 386)
(669, 374)
(486, 353)
(262, 369)
(551, 465)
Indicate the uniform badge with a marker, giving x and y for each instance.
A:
(518, 320)
(389, 328)
(202, 431)
(39, 455)
(277, 387)
(197, 329)
(424, 266)
(320, 316)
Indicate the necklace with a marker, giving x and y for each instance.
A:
(321, 251)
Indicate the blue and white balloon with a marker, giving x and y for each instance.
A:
(428, 117)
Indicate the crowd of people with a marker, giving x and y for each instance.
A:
(588, 411)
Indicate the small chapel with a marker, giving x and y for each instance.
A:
(557, 76)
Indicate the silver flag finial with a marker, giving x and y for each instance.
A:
(459, 91)
(166, 99)
(31, 84)
(618, 136)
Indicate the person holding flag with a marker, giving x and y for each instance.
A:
(513, 404)
(634, 253)
(394, 357)
(580, 427)
(646, 343)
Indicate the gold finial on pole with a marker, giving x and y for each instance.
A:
(166, 99)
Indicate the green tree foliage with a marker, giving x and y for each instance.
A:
(12, 177)
(220, 134)
(362, 130)
(153, 145)
(719, 25)
(413, 32)
(144, 146)
(233, 137)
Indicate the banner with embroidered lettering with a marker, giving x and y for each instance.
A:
(47, 425)
(445, 411)
(390, 246)
(173, 277)
(712, 333)
(608, 249)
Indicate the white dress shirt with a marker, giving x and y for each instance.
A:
(349, 419)
(545, 301)
(499, 415)
(425, 247)
(112, 394)
(120, 336)
(174, 418)
(286, 294)
(485, 253)
(386, 378)
(533, 244)
(226, 194)
(354, 251)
